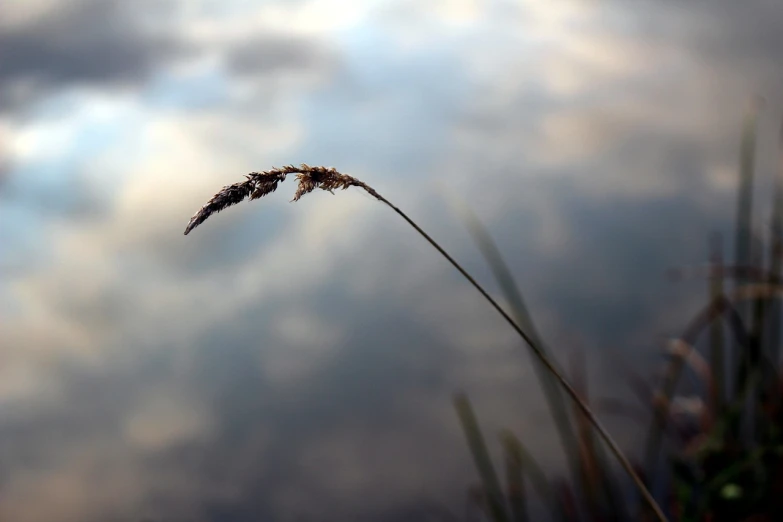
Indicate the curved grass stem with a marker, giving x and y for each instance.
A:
(259, 184)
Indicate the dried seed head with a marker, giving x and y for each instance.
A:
(307, 183)
(325, 179)
(259, 184)
(264, 185)
(228, 195)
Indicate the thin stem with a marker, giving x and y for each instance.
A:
(614, 448)
(259, 184)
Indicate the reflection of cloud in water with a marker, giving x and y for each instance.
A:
(161, 421)
(295, 362)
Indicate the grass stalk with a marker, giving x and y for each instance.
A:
(744, 254)
(743, 237)
(510, 289)
(717, 358)
(513, 446)
(259, 184)
(776, 259)
(478, 448)
(515, 480)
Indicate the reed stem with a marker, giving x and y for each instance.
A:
(259, 184)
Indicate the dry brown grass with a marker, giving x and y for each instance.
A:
(259, 184)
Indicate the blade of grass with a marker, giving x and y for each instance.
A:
(531, 468)
(515, 480)
(598, 483)
(586, 462)
(744, 238)
(591, 480)
(567, 511)
(481, 459)
(744, 217)
(775, 268)
(713, 311)
(755, 354)
(510, 290)
(717, 358)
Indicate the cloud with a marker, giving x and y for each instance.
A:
(271, 53)
(5, 155)
(98, 42)
(727, 31)
(309, 350)
(165, 420)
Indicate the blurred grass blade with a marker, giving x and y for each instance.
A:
(776, 259)
(602, 493)
(590, 478)
(481, 458)
(744, 217)
(755, 422)
(743, 233)
(714, 310)
(515, 480)
(508, 286)
(500, 270)
(659, 423)
(532, 470)
(566, 505)
(717, 358)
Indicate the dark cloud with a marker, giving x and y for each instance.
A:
(272, 53)
(111, 43)
(84, 42)
(260, 431)
(744, 36)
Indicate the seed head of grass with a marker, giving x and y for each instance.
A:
(259, 184)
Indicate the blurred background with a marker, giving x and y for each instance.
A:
(296, 362)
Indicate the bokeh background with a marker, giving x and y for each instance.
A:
(295, 362)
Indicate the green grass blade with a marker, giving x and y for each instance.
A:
(481, 458)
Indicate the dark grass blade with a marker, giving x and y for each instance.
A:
(743, 231)
(531, 469)
(602, 492)
(719, 307)
(481, 458)
(776, 260)
(510, 290)
(515, 479)
(717, 356)
(743, 245)
(567, 508)
(591, 480)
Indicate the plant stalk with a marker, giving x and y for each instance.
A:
(259, 184)
(613, 447)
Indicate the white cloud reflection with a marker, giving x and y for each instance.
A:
(309, 350)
